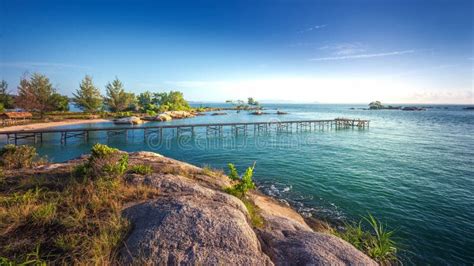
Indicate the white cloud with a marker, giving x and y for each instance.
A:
(361, 56)
(343, 49)
(316, 27)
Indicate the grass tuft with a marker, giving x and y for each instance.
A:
(377, 242)
(141, 169)
(254, 213)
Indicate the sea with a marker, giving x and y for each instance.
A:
(413, 170)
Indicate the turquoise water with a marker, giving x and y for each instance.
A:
(413, 170)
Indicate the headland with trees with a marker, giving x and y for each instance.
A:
(36, 95)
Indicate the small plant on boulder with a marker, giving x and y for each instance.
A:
(244, 184)
(377, 242)
(106, 162)
(233, 174)
(141, 169)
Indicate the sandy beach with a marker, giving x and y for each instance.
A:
(53, 124)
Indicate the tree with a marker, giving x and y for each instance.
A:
(147, 102)
(117, 99)
(172, 101)
(60, 102)
(5, 98)
(251, 101)
(37, 94)
(87, 97)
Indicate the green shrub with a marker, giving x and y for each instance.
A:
(151, 112)
(233, 174)
(16, 157)
(377, 242)
(245, 183)
(122, 114)
(141, 169)
(79, 170)
(106, 162)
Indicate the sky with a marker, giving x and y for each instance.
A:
(273, 50)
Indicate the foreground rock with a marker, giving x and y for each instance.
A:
(191, 225)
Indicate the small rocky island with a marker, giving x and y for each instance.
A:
(377, 105)
(113, 207)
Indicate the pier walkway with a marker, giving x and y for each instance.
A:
(214, 128)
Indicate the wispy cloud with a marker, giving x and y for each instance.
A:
(28, 65)
(361, 56)
(316, 27)
(343, 49)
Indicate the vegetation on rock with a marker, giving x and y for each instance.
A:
(240, 189)
(241, 105)
(376, 105)
(17, 157)
(244, 182)
(66, 219)
(141, 169)
(105, 161)
(377, 242)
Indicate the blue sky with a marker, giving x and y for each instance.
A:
(298, 51)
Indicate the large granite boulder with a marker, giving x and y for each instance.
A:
(191, 225)
(288, 240)
(289, 243)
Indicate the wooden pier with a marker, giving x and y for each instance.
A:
(210, 129)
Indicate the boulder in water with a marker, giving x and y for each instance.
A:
(131, 120)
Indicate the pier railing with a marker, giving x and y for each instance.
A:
(212, 128)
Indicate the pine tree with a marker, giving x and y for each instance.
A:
(117, 99)
(36, 94)
(88, 97)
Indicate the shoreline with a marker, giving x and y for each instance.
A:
(43, 125)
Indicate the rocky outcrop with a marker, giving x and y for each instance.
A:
(288, 240)
(132, 120)
(179, 114)
(170, 115)
(194, 222)
(163, 117)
